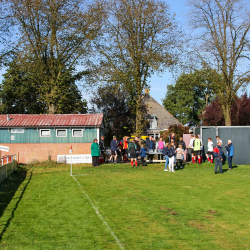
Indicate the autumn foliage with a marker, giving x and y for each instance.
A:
(179, 130)
(240, 111)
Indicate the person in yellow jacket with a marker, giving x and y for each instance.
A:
(197, 148)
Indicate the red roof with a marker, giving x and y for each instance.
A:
(23, 120)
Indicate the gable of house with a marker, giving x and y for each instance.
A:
(164, 118)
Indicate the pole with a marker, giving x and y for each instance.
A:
(71, 164)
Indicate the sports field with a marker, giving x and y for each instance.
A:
(117, 207)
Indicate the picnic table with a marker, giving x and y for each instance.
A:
(152, 153)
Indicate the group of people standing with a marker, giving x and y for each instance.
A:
(130, 149)
(213, 153)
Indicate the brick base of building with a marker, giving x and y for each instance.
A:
(33, 152)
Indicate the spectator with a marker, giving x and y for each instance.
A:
(125, 149)
(197, 148)
(183, 146)
(179, 155)
(95, 152)
(132, 151)
(138, 147)
(165, 154)
(150, 145)
(102, 148)
(218, 139)
(143, 154)
(191, 146)
(171, 152)
(171, 137)
(218, 157)
(113, 148)
(160, 145)
(210, 148)
(230, 153)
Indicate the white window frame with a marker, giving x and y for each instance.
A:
(77, 129)
(61, 129)
(14, 132)
(40, 132)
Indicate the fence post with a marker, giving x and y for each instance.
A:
(12, 163)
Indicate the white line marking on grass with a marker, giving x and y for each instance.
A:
(100, 216)
(79, 175)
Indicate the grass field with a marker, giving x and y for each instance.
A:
(117, 207)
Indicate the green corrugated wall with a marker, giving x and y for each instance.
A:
(31, 135)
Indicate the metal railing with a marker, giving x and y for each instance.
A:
(8, 164)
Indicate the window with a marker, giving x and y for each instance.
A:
(77, 132)
(151, 124)
(44, 132)
(61, 133)
(17, 130)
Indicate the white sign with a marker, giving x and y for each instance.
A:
(4, 148)
(75, 159)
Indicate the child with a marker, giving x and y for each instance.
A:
(143, 154)
(165, 153)
(171, 152)
(174, 146)
(210, 148)
(179, 155)
(101, 159)
(132, 153)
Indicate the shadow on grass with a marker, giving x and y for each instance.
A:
(8, 189)
(233, 166)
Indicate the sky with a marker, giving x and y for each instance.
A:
(159, 83)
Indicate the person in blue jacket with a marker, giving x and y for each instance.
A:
(143, 154)
(113, 148)
(218, 157)
(230, 153)
(165, 154)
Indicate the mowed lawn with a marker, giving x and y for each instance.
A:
(117, 207)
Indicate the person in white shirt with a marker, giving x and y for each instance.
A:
(201, 152)
(219, 140)
(210, 148)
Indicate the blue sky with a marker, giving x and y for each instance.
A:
(158, 84)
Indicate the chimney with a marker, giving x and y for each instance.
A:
(8, 117)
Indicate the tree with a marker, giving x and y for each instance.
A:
(213, 115)
(113, 102)
(190, 95)
(222, 28)
(141, 39)
(54, 36)
(19, 95)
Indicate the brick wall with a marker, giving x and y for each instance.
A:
(31, 152)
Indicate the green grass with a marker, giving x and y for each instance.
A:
(145, 208)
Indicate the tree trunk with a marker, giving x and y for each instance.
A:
(51, 109)
(227, 114)
(138, 126)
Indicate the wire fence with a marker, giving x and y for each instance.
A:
(8, 164)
